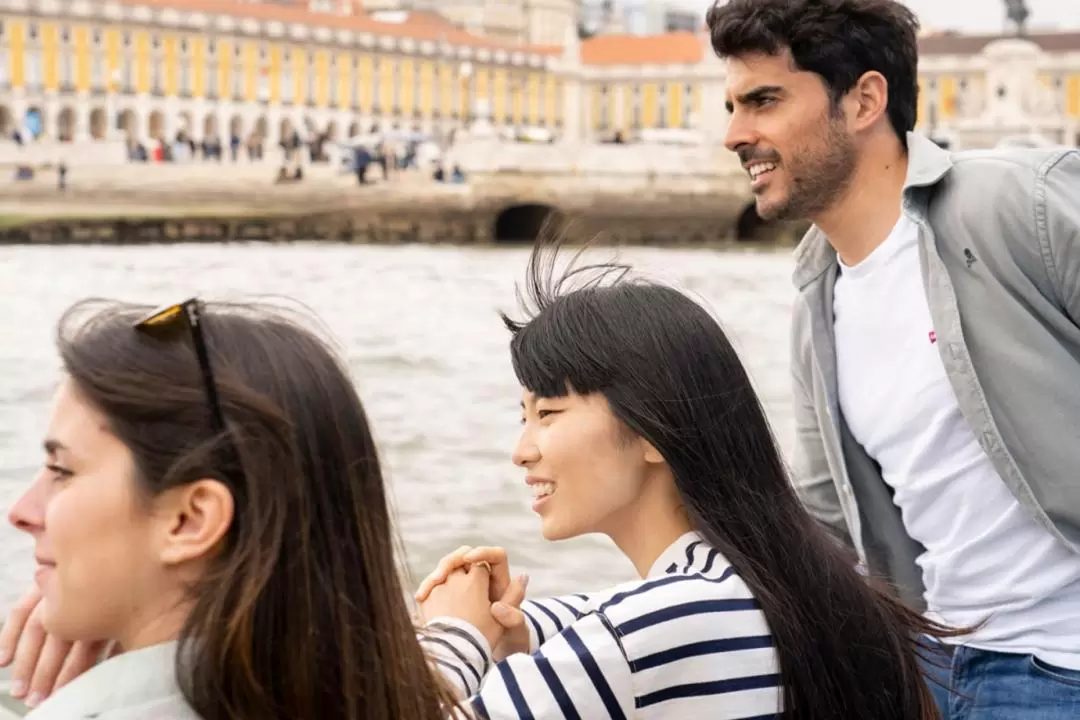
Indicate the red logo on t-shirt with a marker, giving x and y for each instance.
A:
(933, 337)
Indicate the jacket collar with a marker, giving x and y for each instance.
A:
(927, 164)
(127, 680)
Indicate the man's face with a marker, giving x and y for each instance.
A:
(793, 141)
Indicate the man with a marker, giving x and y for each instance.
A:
(935, 340)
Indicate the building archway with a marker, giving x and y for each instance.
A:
(210, 126)
(286, 129)
(65, 124)
(522, 223)
(99, 124)
(156, 125)
(236, 127)
(34, 121)
(127, 123)
(7, 122)
(750, 227)
(354, 129)
(331, 131)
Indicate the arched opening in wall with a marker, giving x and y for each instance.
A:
(522, 223)
(286, 129)
(7, 122)
(65, 125)
(751, 228)
(331, 131)
(185, 125)
(127, 123)
(34, 121)
(1076, 141)
(354, 129)
(155, 128)
(236, 127)
(210, 126)
(262, 127)
(99, 123)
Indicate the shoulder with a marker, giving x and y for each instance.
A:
(699, 640)
(1010, 177)
(681, 601)
(171, 708)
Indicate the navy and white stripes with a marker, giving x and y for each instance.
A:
(689, 641)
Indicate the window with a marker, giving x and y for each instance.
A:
(376, 85)
(334, 79)
(395, 85)
(661, 106)
(605, 106)
(33, 68)
(636, 123)
(286, 78)
(688, 106)
(354, 84)
(67, 60)
(312, 78)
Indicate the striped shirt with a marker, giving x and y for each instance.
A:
(688, 641)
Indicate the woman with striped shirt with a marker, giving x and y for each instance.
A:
(640, 422)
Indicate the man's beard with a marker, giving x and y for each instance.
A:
(819, 172)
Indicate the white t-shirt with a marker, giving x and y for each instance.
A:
(986, 558)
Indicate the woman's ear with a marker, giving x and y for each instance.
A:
(652, 455)
(194, 519)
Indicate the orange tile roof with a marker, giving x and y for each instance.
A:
(418, 26)
(674, 48)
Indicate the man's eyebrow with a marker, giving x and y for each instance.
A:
(754, 95)
(53, 446)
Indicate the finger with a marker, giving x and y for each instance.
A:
(27, 653)
(15, 623)
(508, 617)
(82, 657)
(447, 565)
(496, 558)
(47, 669)
(515, 594)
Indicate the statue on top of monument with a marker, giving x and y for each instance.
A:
(1018, 14)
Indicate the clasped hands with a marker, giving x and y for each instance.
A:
(474, 585)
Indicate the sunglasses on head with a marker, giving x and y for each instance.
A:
(170, 321)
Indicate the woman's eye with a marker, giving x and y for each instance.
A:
(59, 471)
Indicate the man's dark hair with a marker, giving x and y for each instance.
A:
(839, 40)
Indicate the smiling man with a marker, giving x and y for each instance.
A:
(935, 340)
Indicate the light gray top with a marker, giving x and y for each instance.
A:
(999, 248)
(136, 685)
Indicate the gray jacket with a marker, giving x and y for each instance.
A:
(138, 685)
(1000, 254)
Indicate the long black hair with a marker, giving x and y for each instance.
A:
(847, 647)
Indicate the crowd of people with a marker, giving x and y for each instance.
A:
(211, 524)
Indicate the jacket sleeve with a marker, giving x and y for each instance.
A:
(1059, 228)
(812, 478)
(580, 673)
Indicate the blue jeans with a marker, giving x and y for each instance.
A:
(986, 685)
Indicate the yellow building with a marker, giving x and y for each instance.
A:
(150, 68)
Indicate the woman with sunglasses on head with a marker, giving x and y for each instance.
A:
(211, 501)
(640, 422)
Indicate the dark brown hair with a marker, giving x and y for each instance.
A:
(839, 40)
(848, 649)
(303, 613)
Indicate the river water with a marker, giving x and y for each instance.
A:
(429, 356)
